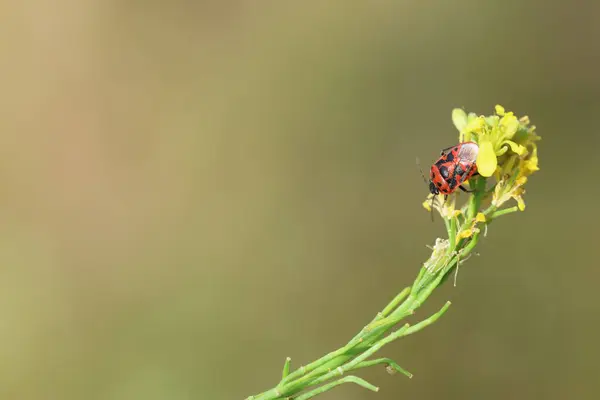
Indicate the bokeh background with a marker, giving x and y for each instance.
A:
(192, 191)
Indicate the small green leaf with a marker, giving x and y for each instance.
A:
(286, 368)
(459, 118)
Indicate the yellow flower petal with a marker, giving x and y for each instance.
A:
(480, 217)
(520, 203)
(510, 124)
(517, 148)
(499, 110)
(464, 234)
(530, 165)
(521, 181)
(475, 125)
(486, 159)
(502, 150)
(427, 205)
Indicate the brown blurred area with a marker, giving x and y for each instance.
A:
(190, 192)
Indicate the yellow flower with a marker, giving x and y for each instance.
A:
(507, 188)
(496, 135)
(466, 233)
(507, 151)
(427, 203)
(529, 164)
(470, 231)
(513, 175)
(446, 208)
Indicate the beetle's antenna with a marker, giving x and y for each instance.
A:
(422, 174)
(425, 180)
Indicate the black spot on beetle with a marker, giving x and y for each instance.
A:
(450, 156)
(459, 170)
(451, 183)
(444, 172)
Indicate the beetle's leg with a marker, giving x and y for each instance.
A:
(466, 173)
(443, 151)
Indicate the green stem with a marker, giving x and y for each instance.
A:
(386, 361)
(428, 321)
(316, 368)
(329, 386)
(476, 198)
(504, 211)
(448, 228)
(371, 338)
(463, 236)
(340, 370)
(388, 322)
(452, 233)
(286, 368)
(404, 331)
(394, 303)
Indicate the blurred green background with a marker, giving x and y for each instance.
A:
(191, 192)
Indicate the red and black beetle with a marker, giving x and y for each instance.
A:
(455, 166)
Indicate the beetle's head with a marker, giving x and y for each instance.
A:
(433, 189)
